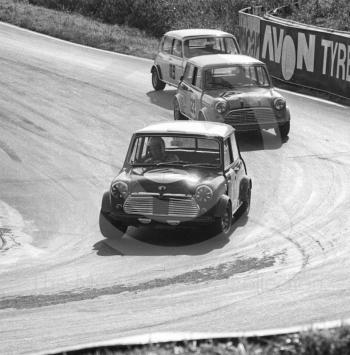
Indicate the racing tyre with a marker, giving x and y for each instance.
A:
(283, 130)
(156, 82)
(121, 228)
(244, 208)
(177, 113)
(223, 224)
(201, 117)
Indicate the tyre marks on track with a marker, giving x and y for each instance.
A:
(222, 271)
(10, 152)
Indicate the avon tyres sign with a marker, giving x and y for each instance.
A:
(249, 34)
(306, 57)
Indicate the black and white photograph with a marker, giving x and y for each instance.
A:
(175, 177)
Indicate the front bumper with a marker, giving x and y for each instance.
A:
(160, 221)
(253, 119)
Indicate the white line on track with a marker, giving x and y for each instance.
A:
(164, 337)
(313, 98)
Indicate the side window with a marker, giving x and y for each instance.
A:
(252, 74)
(138, 151)
(195, 71)
(188, 75)
(228, 160)
(177, 48)
(198, 80)
(167, 45)
(231, 47)
(263, 79)
(234, 147)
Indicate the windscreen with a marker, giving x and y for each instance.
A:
(234, 76)
(175, 150)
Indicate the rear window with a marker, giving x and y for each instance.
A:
(210, 45)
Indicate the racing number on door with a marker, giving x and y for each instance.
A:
(172, 71)
(193, 106)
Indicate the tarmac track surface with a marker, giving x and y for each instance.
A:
(66, 117)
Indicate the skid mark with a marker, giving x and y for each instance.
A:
(10, 152)
(8, 240)
(213, 273)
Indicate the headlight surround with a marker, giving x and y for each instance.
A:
(221, 106)
(120, 189)
(279, 104)
(203, 193)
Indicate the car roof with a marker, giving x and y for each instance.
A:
(207, 129)
(223, 59)
(194, 32)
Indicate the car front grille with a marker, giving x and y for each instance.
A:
(250, 115)
(155, 206)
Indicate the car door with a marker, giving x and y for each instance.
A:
(238, 168)
(196, 94)
(229, 172)
(163, 58)
(176, 62)
(185, 90)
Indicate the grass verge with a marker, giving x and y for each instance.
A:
(325, 342)
(78, 29)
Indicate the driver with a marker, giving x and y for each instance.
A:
(156, 148)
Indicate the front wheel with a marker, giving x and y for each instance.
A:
(283, 130)
(201, 117)
(121, 228)
(156, 82)
(244, 208)
(177, 113)
(223, 224)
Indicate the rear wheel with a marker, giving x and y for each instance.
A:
(177, 113)
(156, 82)
(223, 224)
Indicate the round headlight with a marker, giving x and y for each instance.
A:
(279, 104)
(221, 106)
(119, 189)
(203, 193)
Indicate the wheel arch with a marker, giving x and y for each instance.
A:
(203, 114)
(106, 202)
(244, 186)
(156, 67)
(221, 205)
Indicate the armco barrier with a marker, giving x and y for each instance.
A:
(304, 55)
